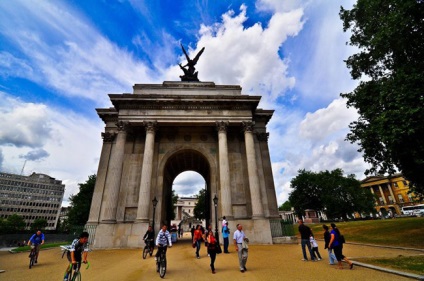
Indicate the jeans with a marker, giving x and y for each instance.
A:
(331, 256)
(306, 242)
(226, 242)
(197, 247)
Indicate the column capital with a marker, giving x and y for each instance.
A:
(150, 126)
(222, 126)
(248, 126)
(122, 126)
(108, 136)
(262, 136)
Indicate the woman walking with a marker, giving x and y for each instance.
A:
(338, 247)
(197, 239)
(212, 250)
(327, 237)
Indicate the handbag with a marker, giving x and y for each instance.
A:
(194, 245)
(218, 248)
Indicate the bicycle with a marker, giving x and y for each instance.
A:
(76, 275)
(32, 256)
(161, 261)
(148, 248)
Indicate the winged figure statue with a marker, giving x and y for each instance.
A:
(190, 73)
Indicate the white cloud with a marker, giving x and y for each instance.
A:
(70, 148)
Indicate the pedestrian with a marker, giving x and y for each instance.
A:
(314, 246)
(206, 235)
(305, 233)
(212, 246)
(337, 246)
(327, 237)
(224, 221)
(240, 243)
(36, 240)
(225, 235)
(197, 239)
(192, 231)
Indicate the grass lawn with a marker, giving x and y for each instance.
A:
(403, 232)
(45, 246)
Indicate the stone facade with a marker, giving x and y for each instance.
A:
(162, 130)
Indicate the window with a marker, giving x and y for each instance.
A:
(395, 184)
(400, 198)
(381, 201)
(405, 183)
(390, 199)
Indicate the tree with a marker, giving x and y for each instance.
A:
(330, 192)
(286, 206)
(39, 223)
(200, 208)
(81, 203)
(173, 202)
(13, 224)
(389, 99)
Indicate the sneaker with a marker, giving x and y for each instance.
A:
(156, 258)
(35, 261)
(198, 257)
(319, 259)
(66, 279)
(242, 270)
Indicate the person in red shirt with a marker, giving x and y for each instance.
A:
(197, 239)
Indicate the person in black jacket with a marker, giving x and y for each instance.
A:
(327, 237)
(305, 233)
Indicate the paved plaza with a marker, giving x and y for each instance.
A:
(266, 262)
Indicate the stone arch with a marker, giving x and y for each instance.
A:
(180, 159)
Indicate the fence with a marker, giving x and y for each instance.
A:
(280, 228)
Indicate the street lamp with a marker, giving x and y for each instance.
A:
(215, 202)
(155, 202)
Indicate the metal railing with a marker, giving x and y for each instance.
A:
(280, 228)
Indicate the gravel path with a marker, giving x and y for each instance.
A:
(266, 262)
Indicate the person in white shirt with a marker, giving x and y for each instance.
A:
(314, 246)
(240, 242)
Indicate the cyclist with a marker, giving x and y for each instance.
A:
(150, 235)
(162, 241)
(36, 240)
(77, 251)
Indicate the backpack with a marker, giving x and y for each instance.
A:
(342, 239)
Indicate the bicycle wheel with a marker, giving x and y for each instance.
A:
(77, 276)
(145, 251)
(162, 268)
(31, 259)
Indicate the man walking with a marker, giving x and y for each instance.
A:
(240, 242)
(305, 233)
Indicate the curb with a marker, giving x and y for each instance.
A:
(392, 271)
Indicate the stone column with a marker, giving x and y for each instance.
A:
(146, 173)
(382, 194)
(96, 202)
(391, 193)
(252, 169)
(224, 170)
(113, 178)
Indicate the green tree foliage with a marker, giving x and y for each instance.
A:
(13, 224)
(330, 192)
(81, 203)
(286, 206)
(39, 224)
(390, 97)
(173, 203)
(200, 208)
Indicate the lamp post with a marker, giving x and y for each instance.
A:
(215, 202)
(155, 202)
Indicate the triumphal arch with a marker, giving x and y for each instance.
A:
(161, 130)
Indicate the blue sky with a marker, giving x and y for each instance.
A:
(60, 59)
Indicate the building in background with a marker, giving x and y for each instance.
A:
(37, 196)
(391, 193)
(184, 211)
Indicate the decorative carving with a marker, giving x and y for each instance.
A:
(222, 126)
(190, 73)
(262, 136)
(122, 126)
(187, 138)
(203, 137)
(150, 126)
(108, 136)
(248, 126)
